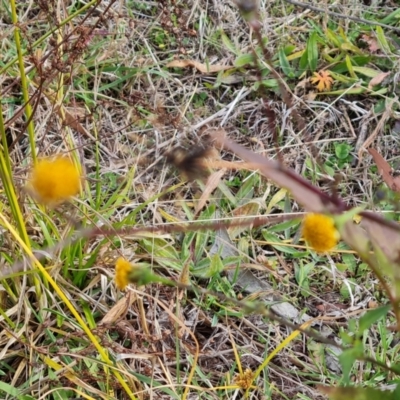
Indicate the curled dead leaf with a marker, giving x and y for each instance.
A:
(386, 171)
(376, 80)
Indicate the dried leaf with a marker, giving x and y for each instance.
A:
(372, 42)
(385, 237)
(212, 183)
(378, 129)
(119, 309)
(322, 80)
(377, 79)
(385, 170)
(72, 121)
(248, 210)
(203, 68)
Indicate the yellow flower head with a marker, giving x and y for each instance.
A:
(122, 270)
(55, 180)
(245, 379)
(319, 232)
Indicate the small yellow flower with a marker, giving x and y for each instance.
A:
(319, 232)
(55, 180)
(245, 379)
(122, 270)
(322, 80)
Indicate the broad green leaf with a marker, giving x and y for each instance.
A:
(332, 37)
(372, 316)
(270, 83)
(302, 273)
(163, 252)
(284, 63)
(345, 290)
(203, 268)
(312, 52)
(228, 44)
(246, 191)
(342, 78)
(383, 43)
(274, 241)
(227, 193)
(244, 59)
(357, 393)
(357, 90)
(350, 67)
(8, 389)
(347, 359)
(294, 56)
(349, 262)
(276, 198)
(216, 266)
(283, 226)
(350, 47)
(393, 17)
(342, 150)
(288, 49)
(358, 61)
(370, 72)
(303, 63)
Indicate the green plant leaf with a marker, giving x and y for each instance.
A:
(332, 37)
(164, 253)
(274, 241)
(8, 389)
(303, 63)
(216, 266)
(393, 17)
(284, 63)
(347, 359)
(228, 44)
(244, 59)
(312, 52)
(383, 43)
(372, 316)
(350, 67)
(342, 151)
(370, 72)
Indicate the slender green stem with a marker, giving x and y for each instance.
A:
(6, 177)
(4, 158)
(24, 81)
